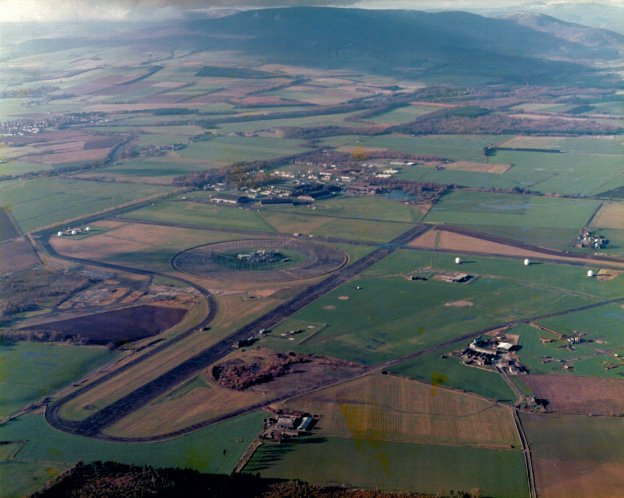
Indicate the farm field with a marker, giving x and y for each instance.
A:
(401, 114)
(367, 208)
(43, 202)
(267, 124)
(455, 147)
(215, 449)
(386, 408)
(135, 245)
(202, 215)
(233, 149)
(299, 221)
(449, 372)
(547, 221)
(394, 466)
(148, 170)
(29, 371)
(16, 255)
(575, 455)
(578, 395)
(390, 316)
(611, 215)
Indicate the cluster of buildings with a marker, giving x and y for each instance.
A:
(300, 194)
(72, 231)
(286, 424)
(592, 240)
(496, 352)
(24, 127)
(261, 256)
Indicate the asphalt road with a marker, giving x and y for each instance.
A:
(93, 425)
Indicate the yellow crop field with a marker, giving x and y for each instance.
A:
(387, 408)
(611, 215)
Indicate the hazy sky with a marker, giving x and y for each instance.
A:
(81, 10)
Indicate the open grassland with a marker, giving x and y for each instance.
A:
(392, 466)
(215, 449)
(533, 350)
(611, 215)
(585, 165)
(386, 408)
(235, 148)
(599, 355)
(449, 372)
(47, 201)
(136, 245)
(342, 228)
(17, 168)
(201, 214)
(234, 310)
(148, 170)
(572, 172)
(390, 316)
(575, 455)
(547, 221)
(366, 208)
(29, 371)
(19, 478)
(452, 175)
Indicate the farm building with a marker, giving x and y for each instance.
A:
(230, 199)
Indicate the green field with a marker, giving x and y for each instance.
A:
(455, 147)
(394, 466)
(389, 316)
(47, 201)
(366, 208)
(548, 221)
(306, 121)
(201, 214)
(29, 371)
(401, 114)
(450, 372)
(351, 229)
(233, 149)
(215, 450)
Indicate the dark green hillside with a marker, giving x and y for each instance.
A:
(412, 43)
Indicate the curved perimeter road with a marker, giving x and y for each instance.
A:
(93, 425)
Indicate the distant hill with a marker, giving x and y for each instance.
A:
(598, 15)
(448, 47)
(410, 43)
(601, 39)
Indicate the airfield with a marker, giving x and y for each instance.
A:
(425, 242)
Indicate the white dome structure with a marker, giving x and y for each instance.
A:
(527, 262)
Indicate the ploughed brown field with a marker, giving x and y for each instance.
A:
(579, 395)
(8, 228)
(16, 255)
(118, 326)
